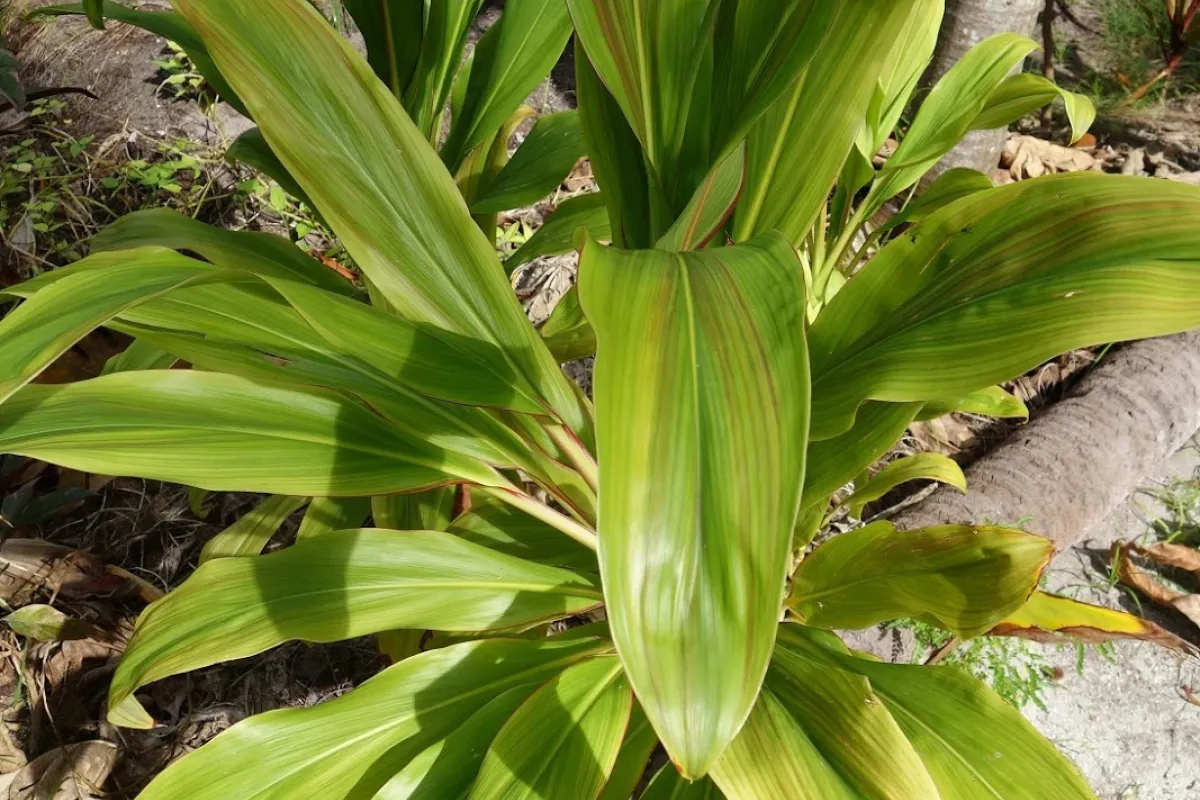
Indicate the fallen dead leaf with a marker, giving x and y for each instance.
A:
(73, 772)
(29, 566)
(1030, 157)
(1145, 583)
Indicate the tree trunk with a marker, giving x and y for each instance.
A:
(1077, 462)
(967, 23)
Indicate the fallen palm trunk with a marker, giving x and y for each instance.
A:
(1073, 465)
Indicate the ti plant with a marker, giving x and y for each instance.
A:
(636, 570)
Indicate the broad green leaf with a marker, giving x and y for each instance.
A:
(424, 511)
(352, 745)
(974, 744)
(485, 163)
(959, 577)
(831, 728)
(510, 60)
(1050, 618)
(446, 27)
(794, 156)
(340, 587)
(710, 206)
(1004, 280)
(564, 741)
(568, 333)
(250, 534)
(500, 527)
(401, 644)
(922, 466)
(382, 188)
(168, 25)
(542, 162)
(833, 463)
(430, 360)
(639, 744)
(259, 253)
(138, 355)
(46, 325)
(46, 623)
(557, 234)
(668, 784)
(449, 767)
(252, 150)
(467, 431)
(994, 401)
(953, 184)
(635, 210)
(702, 460)
(225, 433)
(949, 112)
(329, 514)
(392, 31)
(1025, 93)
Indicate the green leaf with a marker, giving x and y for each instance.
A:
(567, 332)
(47, 624)
(382, 189)
(1025, 93)
(259, 253)
(250, 534)
(949, 112)
(701, 466)
(138, 355)
(794, 156)
(46, 325)
(832, 463)
(392, 31)
(449, 767)
(639, 744)
(959, 577)
(540, 165)
(616, 159)
(95, 13)
(424, 511)
(1004, 280)
(351, 746)
(953, 184)
(252, 150)
(922, 466)
(446, 27)
(167, 24)
(510, 60)
(973, 743)
(428, 359)
(330, 514)
(993, 401)
(557, 234)
(225, 433)
(820, 731)
(710, 207)
(668, 784)
(500, 527)
(564, 741)
(340, 587)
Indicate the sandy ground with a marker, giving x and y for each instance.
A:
(1124, 720)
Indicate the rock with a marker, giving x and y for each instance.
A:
(1191, 178)
(1135, 163)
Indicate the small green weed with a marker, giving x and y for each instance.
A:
(182, 81)
(1017, 671)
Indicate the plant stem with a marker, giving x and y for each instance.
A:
(577, 454)
(943, 651)
(584, 535)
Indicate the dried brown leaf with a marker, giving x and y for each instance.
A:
(73, 772)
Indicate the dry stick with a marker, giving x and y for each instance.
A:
(943, 651)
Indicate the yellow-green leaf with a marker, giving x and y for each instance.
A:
(339, 587)
(922, 466)
(701, 463)
(250, 534)
(959, 577)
